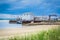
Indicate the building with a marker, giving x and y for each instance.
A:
(53, 17)
(27, 17)
(30, 18)
(40, 18)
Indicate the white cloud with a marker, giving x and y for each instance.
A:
(25, 16)
(24, 3)
(8, 1)
(11, 0)
(8, 16)
(18, 4)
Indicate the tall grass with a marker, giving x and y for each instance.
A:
(53, 34)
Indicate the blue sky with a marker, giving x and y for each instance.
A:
(37, 7)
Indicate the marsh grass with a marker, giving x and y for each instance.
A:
(53, 34)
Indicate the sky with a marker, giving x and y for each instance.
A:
(37, 7)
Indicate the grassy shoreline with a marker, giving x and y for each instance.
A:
(42, 32)
(53, 34)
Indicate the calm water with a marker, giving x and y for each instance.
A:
(5, 24)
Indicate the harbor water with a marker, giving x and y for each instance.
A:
(5, 24)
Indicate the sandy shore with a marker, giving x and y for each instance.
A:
(24, 30)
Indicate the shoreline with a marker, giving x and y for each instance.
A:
(4, 33)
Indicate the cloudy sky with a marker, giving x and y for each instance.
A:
(37, 7)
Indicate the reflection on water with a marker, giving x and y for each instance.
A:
(5, 24)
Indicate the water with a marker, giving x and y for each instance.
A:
(5, 24)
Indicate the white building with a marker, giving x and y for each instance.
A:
(39, 18)
(27, 16)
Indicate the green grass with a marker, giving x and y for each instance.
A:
(53, 34)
